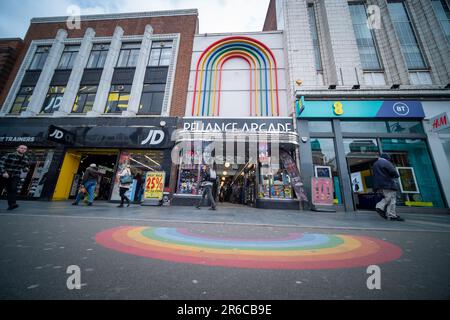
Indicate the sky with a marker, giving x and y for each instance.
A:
(215, 16)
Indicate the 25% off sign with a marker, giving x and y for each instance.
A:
(154, 185)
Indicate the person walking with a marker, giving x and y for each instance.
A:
(126, 178)
(208, 178)
(11, 167)
(88, 182)
(385, 176)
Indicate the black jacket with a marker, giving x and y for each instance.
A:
(384, 175)
(90, 174)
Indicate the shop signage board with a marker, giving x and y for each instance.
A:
(360, 109)
(238, 125)
(322, 191)
(60, 135)
(154, 185)
(440, 122)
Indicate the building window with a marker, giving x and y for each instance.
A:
(315, 36)
(22, 100)
(129, 55)
(442, 10)
(53, 100)
(39, 58)
(161, 54)
(152, 99)
(84, 102)
(404, 30)
(68, 57)
(98, 56)
(364, 37)
(118, 99)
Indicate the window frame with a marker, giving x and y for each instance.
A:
(56, 94)
(129, 51)
(114, 90)
(85, 95)
(168, 47)
(101, 52)
(40, 55)
(26, 98)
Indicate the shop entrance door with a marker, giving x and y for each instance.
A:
(74, 165)
(361, 154)
(237, 185)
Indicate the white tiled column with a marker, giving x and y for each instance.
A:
(108, 72)
(77, 73)
(41, 89)
(139, 75)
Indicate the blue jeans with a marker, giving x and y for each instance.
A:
(90, 188)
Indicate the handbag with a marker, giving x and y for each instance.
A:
(126, 179)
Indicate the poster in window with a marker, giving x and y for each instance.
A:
(323, 171)
(407, 180)
(322, 191)
(154, 185)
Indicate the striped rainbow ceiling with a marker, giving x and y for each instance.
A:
(264, 100)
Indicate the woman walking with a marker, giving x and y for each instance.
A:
(126, 179)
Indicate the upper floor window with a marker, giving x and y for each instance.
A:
(405, 33)
(118, 99)
(84, 102)
(39, 58)
(54, 99)
(98, 56)
(22, 100)
(442, 10)
(161, 54)
(129, 55)
(364, 37)
(315, 36)
(68, 57)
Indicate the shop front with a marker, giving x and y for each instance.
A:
(254, 159)
(58, 166)
(342, 139)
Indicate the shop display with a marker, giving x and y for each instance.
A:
(188, 179)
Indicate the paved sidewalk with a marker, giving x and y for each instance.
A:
(237, 214)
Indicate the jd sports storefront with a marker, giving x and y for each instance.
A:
(342, 139)
(58, 165)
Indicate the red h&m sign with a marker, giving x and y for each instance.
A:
(440, 122)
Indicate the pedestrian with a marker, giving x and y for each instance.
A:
(384, 181)
(88, 183)
(126, 178)
(208, 177)
(11, 167)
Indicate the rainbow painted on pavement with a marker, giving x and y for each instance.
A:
(293, 251)
(264, 100)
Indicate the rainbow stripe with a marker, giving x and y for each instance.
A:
(264, 100)
(294, 251)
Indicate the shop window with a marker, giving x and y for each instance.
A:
(325, 164)
(68, 57)
(22, 100)
(141, 162)
(320, 126)
(32, 182)
(417, 182)
(129, 55)
(40, 57)
(152, 99)
(118, 99)
(98, 56)
(314, 35)
(53, 100)
(84, 102)
(161, 54)
(382, 127)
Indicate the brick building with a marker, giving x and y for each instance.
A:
(9, 52)
(110, 92)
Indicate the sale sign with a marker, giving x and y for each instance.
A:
(154, 185)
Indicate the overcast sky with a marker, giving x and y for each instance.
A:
(214, 15)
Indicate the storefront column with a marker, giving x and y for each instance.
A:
(75, 77)
(343, 169)
(41, 89)
(107, 75)
(440, 160)
(306, 164)
(139, 75)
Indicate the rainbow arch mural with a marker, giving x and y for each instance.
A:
(263, 69)
(292, 251)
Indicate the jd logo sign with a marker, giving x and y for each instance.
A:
(154, 137)
(60, 135)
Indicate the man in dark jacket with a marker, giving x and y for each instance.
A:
(11, 167)
(89, 182)
(384, 181)
(208, 178)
